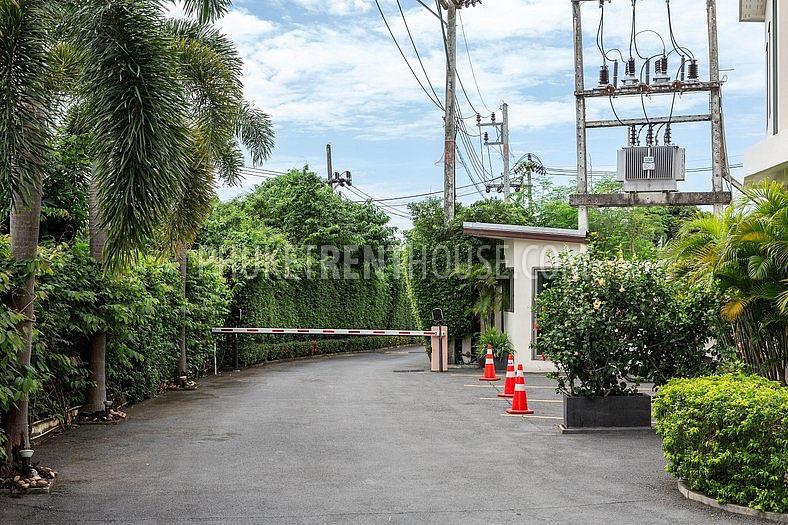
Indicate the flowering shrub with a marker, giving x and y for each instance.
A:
(609, 325)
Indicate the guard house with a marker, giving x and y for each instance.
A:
(531, 257)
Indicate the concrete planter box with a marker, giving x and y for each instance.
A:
(500, 363)
(607, 412)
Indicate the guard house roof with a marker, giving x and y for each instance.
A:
(511, 231)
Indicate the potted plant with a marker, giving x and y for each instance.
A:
(610, 325)
(500, 345)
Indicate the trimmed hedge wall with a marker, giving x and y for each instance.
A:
(380, 302)
(727, 438)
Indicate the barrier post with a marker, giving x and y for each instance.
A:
(439, 361)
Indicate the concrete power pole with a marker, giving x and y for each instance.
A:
(329, 167)
(505, 139)
(450, 118)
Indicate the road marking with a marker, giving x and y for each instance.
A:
(530, 400)
(495, 398)
(533, 416)
(479, 386)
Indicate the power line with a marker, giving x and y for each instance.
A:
(470, 63)
(405, 58)
(358, 192)
(416, 50)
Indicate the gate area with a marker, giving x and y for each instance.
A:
(438, 339)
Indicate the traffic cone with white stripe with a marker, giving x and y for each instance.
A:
(520, 401)
(508, 385)
(489, 367)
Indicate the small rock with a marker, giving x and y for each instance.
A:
(23, 486)
(17, 478)
(42, 483)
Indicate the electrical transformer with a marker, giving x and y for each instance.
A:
(650, 168)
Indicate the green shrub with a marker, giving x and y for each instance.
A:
(140, 310)
(609, 325)
(501, 346)
(727, 438)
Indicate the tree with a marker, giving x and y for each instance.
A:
(745, 253)
(25, 129)
(210, 70)
(120, 74)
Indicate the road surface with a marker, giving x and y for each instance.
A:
(362, 438)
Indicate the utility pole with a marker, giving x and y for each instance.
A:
(335, 178)
(329, 167)
(657, 191)
(505, 140)
(580, 113)
(450, 117)
(718, 160)
(502, 139)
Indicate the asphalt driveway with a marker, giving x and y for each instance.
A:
(362, 438)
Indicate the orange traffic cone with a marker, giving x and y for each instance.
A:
(508, 385)
(489, 367)
(520, 401)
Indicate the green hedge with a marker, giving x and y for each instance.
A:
(253, 351)
(727, 438)
(379, 302)
(139, 309)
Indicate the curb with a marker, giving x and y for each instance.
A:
(603, 430)
(728, 507)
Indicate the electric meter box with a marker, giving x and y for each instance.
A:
(651, 168)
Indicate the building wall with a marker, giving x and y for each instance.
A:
(525, 256)
(768, 159)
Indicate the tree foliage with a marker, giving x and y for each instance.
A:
(744, 253)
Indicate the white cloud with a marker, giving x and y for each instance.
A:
(336, 7)
(329, 74)
(243, 27)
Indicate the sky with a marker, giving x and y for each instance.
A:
(328, 71)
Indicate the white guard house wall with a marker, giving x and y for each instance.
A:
(527, 250)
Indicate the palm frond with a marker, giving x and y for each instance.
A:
(206, 10)
(135, 106)
(194, 201)
(255, 131)
(25, 96)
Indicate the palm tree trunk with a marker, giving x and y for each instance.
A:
(182, 255)
(97, 391)
(25, 222)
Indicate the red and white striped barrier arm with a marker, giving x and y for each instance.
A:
(324, 331)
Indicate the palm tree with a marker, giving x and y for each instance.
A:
(220, 120)
(25, 116)
(132, 103)
(745, 252)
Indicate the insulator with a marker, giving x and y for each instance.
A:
(632, 135)
(666, 137)
(692, 75)
(604, 75)
(683, 68)
(663, 63)
(487, 188)
(478, 119)
(648, 70)
(615, 73)
(492, 117)
(630, 67)
(650, 135)
(486, 137)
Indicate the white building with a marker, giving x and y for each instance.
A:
(769, 158)
(531, 255)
